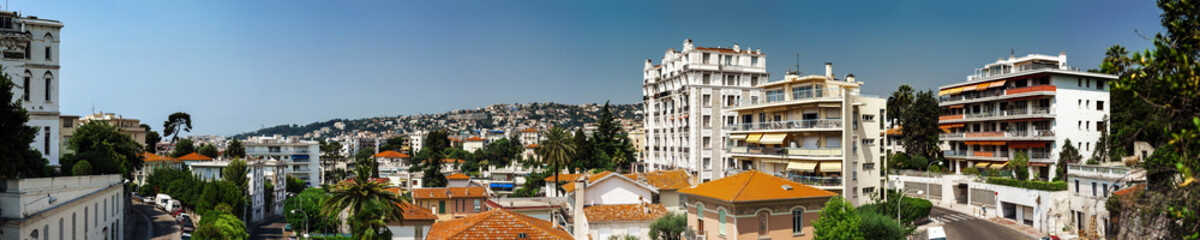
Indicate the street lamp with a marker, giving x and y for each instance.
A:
(305, 221)
(901, 199)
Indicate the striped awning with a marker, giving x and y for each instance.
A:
(831, 166)
(802, 166)
(772, 138)
(969, 88)
(753, 137)
(737, 136)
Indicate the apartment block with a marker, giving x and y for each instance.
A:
(301, 158)
(687, 97)
(817, 130)
(30, 59)
(1028, 105)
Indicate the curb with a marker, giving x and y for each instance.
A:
(149, 230)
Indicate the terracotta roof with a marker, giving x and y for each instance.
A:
(754, 186)
(668, 179)
(411, 211)
(529, 130)
(497, 224)
(452, 160)
(458, 176)
(194, 157)
(531, 145)
(1122, 192)
(475, 139)
(570, 186)
(150, 157)
(563, 177)
(624, 212)
(391, 154)
(449, 192)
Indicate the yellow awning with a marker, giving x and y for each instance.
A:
(981, 86)
(969, 88)
(802, 166)
(772, 138)
(737, 136)
(982, 164)
(953, 91)
(943, 92)
(753, 137)
(999, 165)
(831, 166)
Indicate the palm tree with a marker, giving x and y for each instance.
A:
(556, 150)
(360, 194)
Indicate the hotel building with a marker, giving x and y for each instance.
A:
(1029, 105)
(816, 130)
(687, 99)
(30, 59)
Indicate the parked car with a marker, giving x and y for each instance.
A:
(148, 199)
(1051, 237)
(181, 216)
(936, 233)
(186, 225)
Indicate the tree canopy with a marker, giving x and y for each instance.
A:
(218, 225)
(668, 227)
(183, 147)
(105, 148)
(208, 150)
(19, 158)
(235, 149)
(839, 220)
(176, 124)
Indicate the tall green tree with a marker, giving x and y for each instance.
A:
(176, 124)
(1103, 151)
(1068, 155)
(668, 227)
(584, 157)
(309, 202)
(183, 147)
(236, 173)
(920, 123)
(235, 149)
(19, 159)
(556, 151)
(108, 150)
(900, 100)
(217, 193)
(355, 196)
(838, 220)
(217, 225)
(295, 185)
(208, 150)
(611, 140)
(152, 139)
(1165, 80)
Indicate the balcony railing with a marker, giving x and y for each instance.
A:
(799, 152)
(996, 154)
(816, 181)
(795, 95)
(1031, 133)
(787, 125)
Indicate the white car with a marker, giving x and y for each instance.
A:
(936, 233)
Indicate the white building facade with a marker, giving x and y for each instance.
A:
(75, 207)
(1090, 187)
(301, 157)
(686, 100)
(1031, 105)
(817, 130)
(30, 59)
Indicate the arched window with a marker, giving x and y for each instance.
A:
(49, 80)
(762, 223)
(27, 87)
(49, 41)
(721, 219)
(700, 217)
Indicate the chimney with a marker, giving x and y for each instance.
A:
(581, 228)
(850, 77)
(737, 48)
(829, 69)
(687, 44)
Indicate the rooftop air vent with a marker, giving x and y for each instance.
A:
(786, 187)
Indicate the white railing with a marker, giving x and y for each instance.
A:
(787, 125)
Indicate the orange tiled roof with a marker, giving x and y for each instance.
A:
(475, 139)
(391, 154)
(1129, 190)
(150, 157)
(411, 211)
(194, 157)
(449, 192)
(458, 176)
(563, 177)
(624, 212)
(668, 179)
(754, 186)
(531, 145)
(496, 224)
(452, 160)
(529, 130)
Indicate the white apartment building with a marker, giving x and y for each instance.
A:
(301, 157)
(30, 59)
(1090, 187)
(257, 173)
(686, 100)
(1031, 104)
(75, 207)
(817, 130)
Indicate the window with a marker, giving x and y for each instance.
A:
(1100, 126)
(728, 59)
(707, 120)
(28, 52)
(762, 224)
(1100, 105)
(478, 206)
(721, 220)
(1105, 190)
(1079, 103)
(707, 163)
(706, 100)
(870, 166)
(46, 141)
(707, 142)
(47, 53)
(707, 79)
(754, 81)
(442, 207)
(753, 61)
(1087, 125)
(1087, 83)
(26, 86)
(48, 89)
(1100, 84)
(1093, 188)
(868, 117)
(704, 58)
(797, 221)
(1079, 82)
(1076, 186)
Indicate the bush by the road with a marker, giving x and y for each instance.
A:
(877, 226)
(1029, 184)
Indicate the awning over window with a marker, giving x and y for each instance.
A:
(999, 165)
(953, 125)
(985, 143)
(802, 166)
(831, 166)
(981, 86)
(772, 138)
(982, 164)
(1016, 145)
(828, 105)
(753, 137)
(737, 136)
(997, 84)
(955, 106)
(969, 88)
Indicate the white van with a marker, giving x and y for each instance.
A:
(936, 233)
(173, 205)
(161, 200)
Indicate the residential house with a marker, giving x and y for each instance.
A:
(538, 207)
(301, 157)
(451, 202)
(1090, 187)
(668, 183)
(609, 204)
(416, 223)
(754, 205)
(497, 224)
(154, 162)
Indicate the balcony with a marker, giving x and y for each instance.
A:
(816, 181)
(996, 155)
(996, 94)
(998, 135)
(768, 100)
(787, 152)
(787, 125)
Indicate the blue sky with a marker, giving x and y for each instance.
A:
(238, 65)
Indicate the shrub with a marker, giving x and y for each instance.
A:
(918, 162)
(971, 171)
(1029, 184)
(876, 226)
(82, 167)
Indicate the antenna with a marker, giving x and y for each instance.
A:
(1012, 52)
(797, 66)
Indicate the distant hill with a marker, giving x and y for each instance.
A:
(496, 116)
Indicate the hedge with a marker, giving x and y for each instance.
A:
(1036, 185)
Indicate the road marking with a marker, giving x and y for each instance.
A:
(955, 217)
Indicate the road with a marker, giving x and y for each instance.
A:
(964, 226)
(270, 229)
(164, 226)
